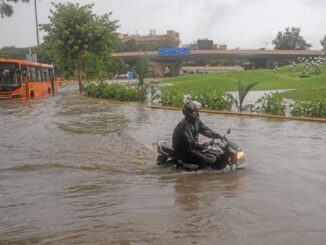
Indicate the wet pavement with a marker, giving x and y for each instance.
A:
(79, 170)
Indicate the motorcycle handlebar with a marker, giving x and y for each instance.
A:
(223, 138)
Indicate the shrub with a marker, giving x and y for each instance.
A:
(91, 89)
(271, 103)
(172, 97)
(243, 91)
(315, 108)
(112, 91)
(214, 99)
(309, 66)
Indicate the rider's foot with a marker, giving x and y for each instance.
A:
(161, 159)
(190, 166)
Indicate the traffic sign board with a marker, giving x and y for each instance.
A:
(173, 51)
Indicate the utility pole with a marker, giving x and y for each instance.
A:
(36, 22)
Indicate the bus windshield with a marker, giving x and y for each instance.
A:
(9, 75)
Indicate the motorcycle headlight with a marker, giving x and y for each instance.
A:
(240, 155)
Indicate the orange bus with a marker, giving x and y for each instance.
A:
(26, 79)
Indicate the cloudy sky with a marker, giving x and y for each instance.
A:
(245, 24)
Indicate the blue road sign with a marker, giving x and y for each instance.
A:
(173, 51)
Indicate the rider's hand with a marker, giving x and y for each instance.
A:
(220, 137)
(205, 144)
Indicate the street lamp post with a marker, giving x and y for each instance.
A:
(36, 22)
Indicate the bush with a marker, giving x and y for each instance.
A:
(112, 91)
(310, 108)
(172, 97)
(304, 75)
(271, 103)
(91, 90)
(209, 99)
(214, 99)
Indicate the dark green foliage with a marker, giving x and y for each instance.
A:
(101, 69)
(213, 99)
(112, 91)
(132, 45)
(304, 75)
(142, 69)
(75, 37)
(290, 40)
(316, 108)
(6, 8)
(172, 97)
(271, 103)
(14, 53)
(243, 90)
(323, 43)
(209, 99)
(91, 90)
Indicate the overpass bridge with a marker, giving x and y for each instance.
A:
(258, 58)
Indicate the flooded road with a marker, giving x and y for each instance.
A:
(79, 170)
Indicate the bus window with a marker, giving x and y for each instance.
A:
(23, 72)
(9, 75)
(33, 77)
(46, 74)
(39, 74)
(29, 73)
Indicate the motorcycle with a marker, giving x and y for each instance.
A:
(228, 154)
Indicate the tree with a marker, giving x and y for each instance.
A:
(6, 9)
(102, 69)
(75, 37)
(129, 46)
(323, 43)
(14, 53)
(142, 69)
(290, 40)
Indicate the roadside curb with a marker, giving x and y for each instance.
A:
(306, 119)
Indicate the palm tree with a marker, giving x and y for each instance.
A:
(243, 90)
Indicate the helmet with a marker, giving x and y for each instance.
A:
(190, 111)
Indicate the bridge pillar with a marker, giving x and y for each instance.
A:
(160, 69)
(157, 69)
(175, 69)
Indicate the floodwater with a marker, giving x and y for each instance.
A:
(76, 170)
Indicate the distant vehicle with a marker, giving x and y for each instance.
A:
(121, 76)
(26, 79)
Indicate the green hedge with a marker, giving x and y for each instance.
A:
(112, 91)
(214, 99)
(315, 108)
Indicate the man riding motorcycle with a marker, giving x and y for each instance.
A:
(185, 138)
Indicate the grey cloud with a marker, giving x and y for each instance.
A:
(238, 23)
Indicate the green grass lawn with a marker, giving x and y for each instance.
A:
(305, 88)
(305, 94)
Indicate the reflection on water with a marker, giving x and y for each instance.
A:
(89, 116)
(191, 190)
(79, 170)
